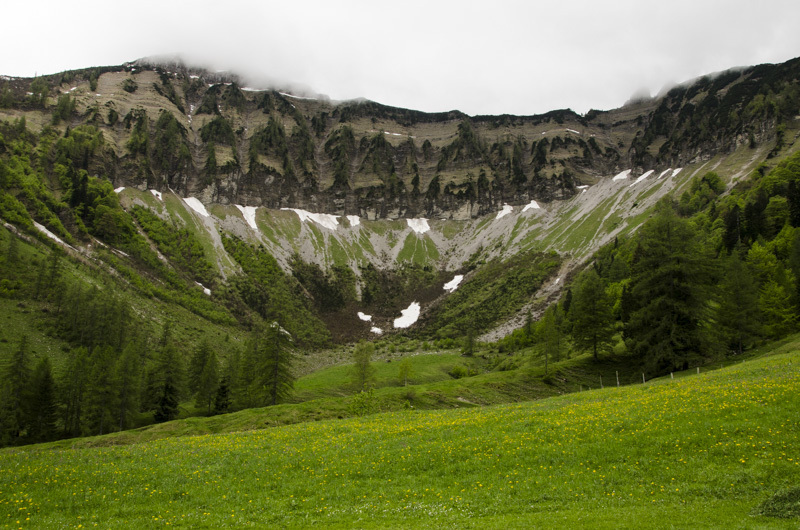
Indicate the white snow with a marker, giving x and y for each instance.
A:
(573, 131)
(375, 330)
(365, 318)
(119, 190)
(206, 290)
(354, 220)
(642, 177)
(323, 219)
(410, 315)
(249, 214)
(196, 205)
(453, 284)
(675, 173)
(533, 205)
(194, 77)
(51, 235)
(157, 195)
(664, 173)
(419, 226)
(582, 187)
(507, 209)
(557, 280)
(251, 89)
(623, 175)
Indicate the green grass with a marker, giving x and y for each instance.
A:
(702, 451)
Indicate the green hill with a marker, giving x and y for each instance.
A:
(709, 450)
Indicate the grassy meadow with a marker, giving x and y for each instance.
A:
(698, 451)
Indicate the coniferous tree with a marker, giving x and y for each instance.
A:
(128, 378)
(207, 383)
(197, 364)
(16, 394)
(169, 387)
(737, 313)
(43, 411)
(592, 319)
(100, 393)
(73, 391)
(276, 369)
(222, 401)
(669, 287)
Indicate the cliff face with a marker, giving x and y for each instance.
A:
(205, 135)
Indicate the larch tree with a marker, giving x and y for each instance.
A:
(591, 314)
(363, 371)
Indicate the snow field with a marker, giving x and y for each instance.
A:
(410, 315)
(507, 209)
(196, 205)
(419, 226)
(331, 222)
(249, 214)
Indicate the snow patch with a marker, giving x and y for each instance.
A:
(206, 290)
(557, 280)
(642, 177)
(377, 331)
(622, 176)
(675, 173)
(249, 214)
(196, 205)
(157, 195)
(573, 131)
(329, 221)
(453, 284)
(532, 206)
(664, 173)
(582, 187)
(119, 190)
(55, 238)
(296, 97)
(365, 318)
(419, 226)
(354, 220)
(251, 89)
(507, 209)
(410, 315)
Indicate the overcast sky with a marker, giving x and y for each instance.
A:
(487, 57)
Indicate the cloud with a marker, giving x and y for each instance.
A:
(482, 58)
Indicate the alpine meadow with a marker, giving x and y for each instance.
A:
(231, 306)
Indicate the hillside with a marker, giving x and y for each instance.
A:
(170, 239)
(632, 456)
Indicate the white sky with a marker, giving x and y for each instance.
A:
(487, 57)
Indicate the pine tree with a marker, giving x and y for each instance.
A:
(737, 313)
(363, 371)
(128, 377)
(222, 401)
(73, 390)
(168, 386)
(669, 286)
(100, 393)
(16, 394)
(207, 383)
(592, 319)
(43, 409)
(276, 368)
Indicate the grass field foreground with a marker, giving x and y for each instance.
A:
(700, 451)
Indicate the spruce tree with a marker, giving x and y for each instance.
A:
(222, 401)
(168, 387)
(101, 391)
(43, 409)
(737, 313)
(73, 390)
(276, 366)
(128, 378)
(16, 394)
(591, 315)
(669, 288)
(208, 382)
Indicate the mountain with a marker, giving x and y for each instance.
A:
(162, 210)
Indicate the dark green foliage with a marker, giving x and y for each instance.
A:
(43, 409)
(590, 313)
(340, 147)
(669, 285)
(208, 383)
(65, 108)
(222, 400)
(497, 290)
(166, 384)
(129, 85)
(73, 389)
(389, 290)
(128, 380)
(39, 91)
(466, 148)
(701, 193)
(267, 367)
(170, 150)
(15, 395)
(167, 89)
(139, 139)
(330, 291)
(272, 294)
(737, 314)
(100, 406)
(219, 131)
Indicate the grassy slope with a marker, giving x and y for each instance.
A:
(700, 451)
